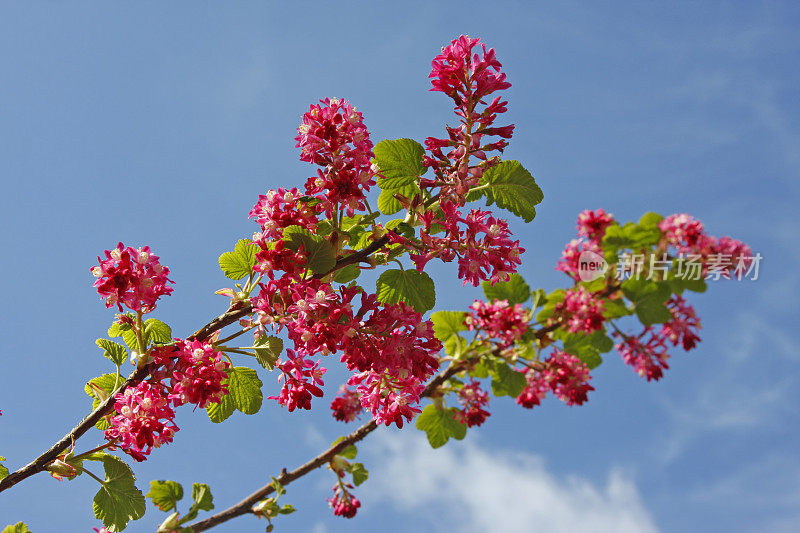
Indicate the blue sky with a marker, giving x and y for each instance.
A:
(161, 124)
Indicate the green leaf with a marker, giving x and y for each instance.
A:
(650, 220)
(631, 235)
(479, 371)
(118, 501)
(399, 159)
(687, 281)
(440, 425)
(165, 494)
(586, 347)
(349, 453)
(239, 263)
(113, 351)
(512, 188)
(244, 394)
(615, 308)
(507, 381)
(539, 298)
(267, 349)
(410, 286)
(19, 527)
(105, 382)
(389, 204)
(157, 331)
(515, 290)
(319, 252)
(289, 508)
(346, 274)
(3, 468)
(648, 298)
(201, 494)
(360, 474)
(446, 325)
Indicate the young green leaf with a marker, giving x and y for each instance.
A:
(3, 468)
(267, 349)
(113, 351)
(157, 331)
(239, 263)
(165, 494)
(319, 252)
(19, 527)
(446, 325)
(118, 501)
(409, 286)
(648, 298)
(346, 274)
(511, 187)
(201, 494)
(244, 394)
(440, 425)
(398, 159)
(389, 204)
(507, 381)
(360, 474)
(515, 290)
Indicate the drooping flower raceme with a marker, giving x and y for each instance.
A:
(498, 320)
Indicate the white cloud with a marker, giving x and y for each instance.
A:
(475, 489)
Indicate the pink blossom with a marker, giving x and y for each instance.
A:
(301, 378)
(685, 233)
(582, 310)
(131, 277)
(277, 210)
(498, 320)
(333, 136)
(347, 405)
(683, 327)
(144, 420)
(195, 371)
(483, 247)
(473, 399)
(391, 400)
(646, 353)
(568, 377)
(535, 390)
(570, 257)
(593, 224)
(343, 503)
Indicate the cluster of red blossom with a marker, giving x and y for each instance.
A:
(131, 277)
(390, 349)
(185, 372)
(484, 247)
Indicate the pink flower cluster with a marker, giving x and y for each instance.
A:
(277, 210)
(498, 320)
(144, 420)
(473, 399)
(687, 236)
(467, 78)
(582, 310)
(301, 379)
(563, 374)
(188, 372)
(647, 352)
(195, 372)
(131, 277)
(484, 248)
(593, 224)
(343, 503)
(570, 257)
(347, 405)
(333, 136)
(685, 323)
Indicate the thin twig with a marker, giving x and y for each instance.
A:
(245, 506)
